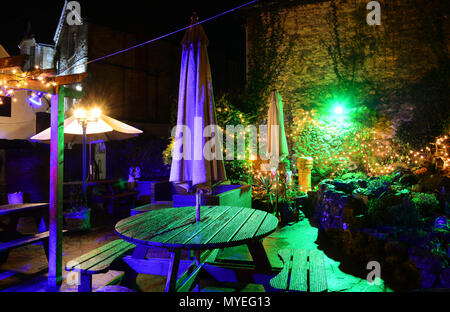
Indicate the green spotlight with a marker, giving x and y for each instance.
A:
(338, 110)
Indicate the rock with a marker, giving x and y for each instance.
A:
(428, 264)
(408, 179)
(362, 197)
(378, 192)
(346, 187)
(361, 183)
(442, 223)
(444, 278)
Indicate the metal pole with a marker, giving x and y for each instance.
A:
(198, 200)
(83, 124)
(276, 204)
(90, 162)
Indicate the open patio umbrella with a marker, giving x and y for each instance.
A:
(102, 130)
(277, 148)
(196, 110)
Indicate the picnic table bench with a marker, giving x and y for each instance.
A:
(23, 241)
(110, 192)
(303, 270)
(13, 238)
(97, 261)
(116, 193)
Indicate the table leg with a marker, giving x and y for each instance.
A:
(41, 223)
(259, 255)
(13, 222)
(3, 226)
(172, 275)
(198, 263)
(129, 277)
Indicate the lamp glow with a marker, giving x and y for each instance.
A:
(80, 113)
(338, 110)
(95, 113)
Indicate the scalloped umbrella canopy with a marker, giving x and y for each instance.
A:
(104, 130)
(196, 110)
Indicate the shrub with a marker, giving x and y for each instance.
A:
(405, 214)
(380, 208)
(426, 203)
(353, 176)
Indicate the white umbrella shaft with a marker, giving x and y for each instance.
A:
(198, 201)
(84, 166)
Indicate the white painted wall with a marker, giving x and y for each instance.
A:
(22, 123)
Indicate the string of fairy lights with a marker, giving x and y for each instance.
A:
(369, 150)
(357, 149)
(16, 79)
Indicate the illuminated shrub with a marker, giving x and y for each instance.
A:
(426, 203)
(346, 145)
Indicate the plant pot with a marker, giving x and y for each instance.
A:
(78, 221)
(288, 213)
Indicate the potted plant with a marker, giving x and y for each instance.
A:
(78, 216)
(262, 191)
(287, 205)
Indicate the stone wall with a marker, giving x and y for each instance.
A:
(401, 51)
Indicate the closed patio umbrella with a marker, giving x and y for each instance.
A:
(277, 147)
(196, 110)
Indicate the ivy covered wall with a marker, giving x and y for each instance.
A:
(393, 78)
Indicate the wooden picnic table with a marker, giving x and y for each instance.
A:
(16, 211)
(93, 183)
(176, 229)
(111, 192)
(11, 237)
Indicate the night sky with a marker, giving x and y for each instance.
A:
(155, 18)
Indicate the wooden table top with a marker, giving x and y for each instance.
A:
(219, 227)
(93, 183)
(18, 208)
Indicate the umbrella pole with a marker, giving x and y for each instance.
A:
(90, 162)
(276, 204)
(84, 125)
(198, 200)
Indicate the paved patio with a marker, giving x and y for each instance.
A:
(26, 267)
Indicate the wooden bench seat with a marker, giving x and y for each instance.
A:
(23, 241)
(41, 238)
(112, 198)
(98, 261)
(303, 270)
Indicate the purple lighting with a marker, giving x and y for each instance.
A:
(35, 100)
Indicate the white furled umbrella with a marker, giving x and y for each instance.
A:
(277, 148)
(196, 110)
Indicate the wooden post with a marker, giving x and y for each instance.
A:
(56, 190)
